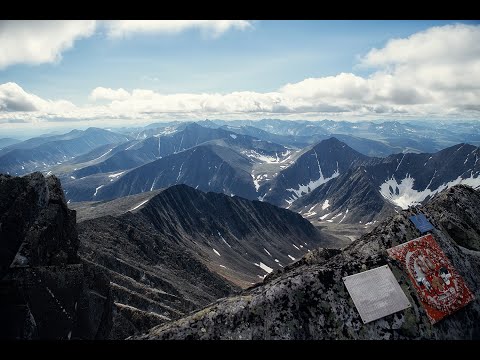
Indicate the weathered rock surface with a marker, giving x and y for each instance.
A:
(46, 291)
(309, 300)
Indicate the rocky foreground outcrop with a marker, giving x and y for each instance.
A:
(46, 291)
(308, 299)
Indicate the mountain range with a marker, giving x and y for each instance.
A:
(329, 182)
(385, 185)
(42, 153)
(398, 136)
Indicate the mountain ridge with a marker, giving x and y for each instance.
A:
(180, 239)
(396, 182)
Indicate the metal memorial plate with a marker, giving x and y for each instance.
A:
(421, 223)
(376, 293)
(441, 289)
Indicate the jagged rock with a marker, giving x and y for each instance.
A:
(461, 220)
(48, 291)
(310, 301)
(37, 227)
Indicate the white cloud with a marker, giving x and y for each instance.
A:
(14, 99)
(436, 71)
(449, 44)
(405, 82)
(39, 41)
(101, 93)
(122, 28)
(43, 41)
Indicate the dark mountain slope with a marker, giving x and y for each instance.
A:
(21, 160)
(324, 161)
(153, 280)
(206, 167)
(156, 147)
(350, 198)
(182, 249)
(4, 142)
(309, 300)
(240, 152)
(42, 139)
(94, 209)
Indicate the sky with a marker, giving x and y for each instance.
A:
(115, 73)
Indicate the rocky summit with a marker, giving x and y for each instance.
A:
(46, 291)
(308, 299)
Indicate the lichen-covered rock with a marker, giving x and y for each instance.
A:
(310, 301)
(48, 293)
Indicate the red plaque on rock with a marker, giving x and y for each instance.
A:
(441, 289)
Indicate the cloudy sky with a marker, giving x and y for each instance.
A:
(65, 74)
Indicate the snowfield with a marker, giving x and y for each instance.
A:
(404, 195)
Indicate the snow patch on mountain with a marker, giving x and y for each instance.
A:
(259, 178)
(221, 237)
(264, 267)
(404, 195)
(312, 185)
(344, 216)
(262, 157)
(310, 213)
(136, 207)
(116, 174)
(167, 131)
(283, 157)
(101, 156)
(325, 204)
(336, 216)
(96, 190)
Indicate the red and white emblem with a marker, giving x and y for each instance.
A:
(440, 288)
